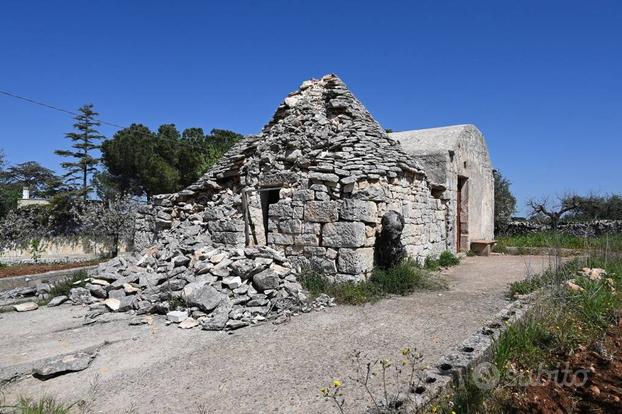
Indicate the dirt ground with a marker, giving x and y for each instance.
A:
(600, 393)
(262, 369)
(35, 269)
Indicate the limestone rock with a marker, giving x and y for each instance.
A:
(57, 300)
(205, 298)
(355, 261)
(117, 294)
(69, 363)
(177, 316)
(232, 282)
(80, 296)
(359, 210)
(129, 289)
(219, 317)
(343, 234)
(96, 290)
(113, 304)
(321, 211)
(26, 306)
(267, 279)
(188, 323)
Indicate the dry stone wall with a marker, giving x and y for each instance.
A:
(333, 173)
(582, 229)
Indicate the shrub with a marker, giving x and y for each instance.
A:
(399, 280)
(447, 259)
(432, 264)
(63, 287)
(524, 287)
(348, 293)
(314, 281)
(405, 278)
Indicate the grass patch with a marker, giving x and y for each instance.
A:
(525, 342)
(524, 287)
(562, 319)
(550, 239)
(402, 279)
(406, 278)
(348, 293)
(45, 405)
(63, 287)
(551, 277)
(446, 259)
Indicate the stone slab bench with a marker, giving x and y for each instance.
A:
(482, 247)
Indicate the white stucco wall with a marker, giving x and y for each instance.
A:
(447, 153)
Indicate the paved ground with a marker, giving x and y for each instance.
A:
(263, 369)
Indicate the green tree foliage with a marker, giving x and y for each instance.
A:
(105, 185)
(8, 199)
(141, 162)
(42, 182)
(85, 141)
(505, 202)
(8, 195)
(593, 207)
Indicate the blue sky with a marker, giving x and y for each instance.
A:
(542, 79)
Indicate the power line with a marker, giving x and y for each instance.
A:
(67, 111)
(56, 108)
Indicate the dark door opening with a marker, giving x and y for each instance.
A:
(267, 197)
(462, 214)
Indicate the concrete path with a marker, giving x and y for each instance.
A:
(263, 369)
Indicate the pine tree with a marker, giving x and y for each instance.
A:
(85, 142)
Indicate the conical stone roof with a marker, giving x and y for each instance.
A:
(321, 128)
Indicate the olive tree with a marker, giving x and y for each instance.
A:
(505, 202)
(112, 221)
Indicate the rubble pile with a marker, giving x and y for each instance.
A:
(216, 287)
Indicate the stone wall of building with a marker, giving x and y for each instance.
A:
(314, 185)
(313, 224)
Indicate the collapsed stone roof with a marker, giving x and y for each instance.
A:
(321, 128)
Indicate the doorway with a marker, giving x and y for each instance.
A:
(462, 214)
(256, 205)
(268, 196)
